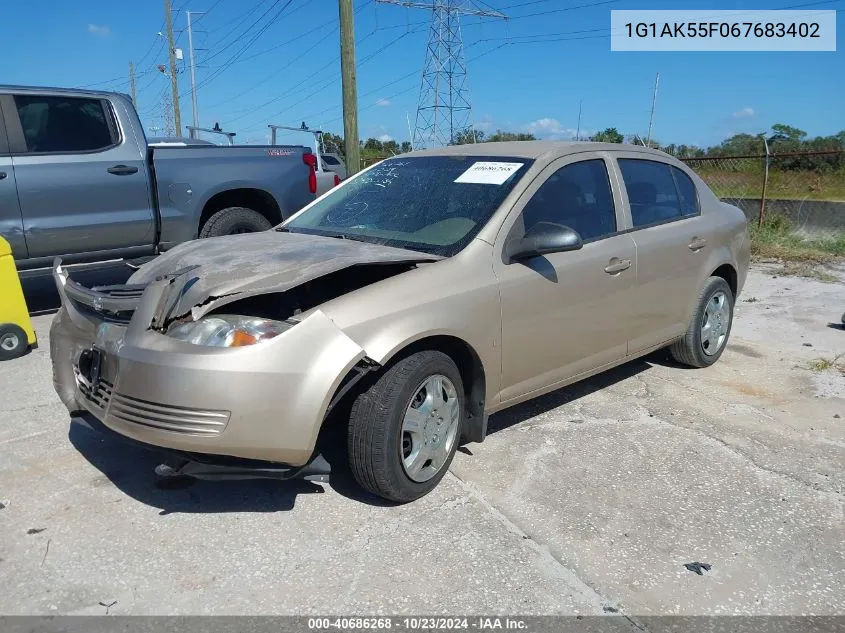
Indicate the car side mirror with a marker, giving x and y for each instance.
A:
(541, 239)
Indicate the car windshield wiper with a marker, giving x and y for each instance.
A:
(339, 236)
(343, 236)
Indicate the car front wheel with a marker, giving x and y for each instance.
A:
(708, 332)
(404, 429)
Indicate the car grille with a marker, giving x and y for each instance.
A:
(99, 395)
(189, 421)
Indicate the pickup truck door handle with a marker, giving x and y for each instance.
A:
(697, 244)
(122, 170)
(616, 266)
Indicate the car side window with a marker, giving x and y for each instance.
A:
(686, 192)
(64, 124)
(652, 192)
(578, 196)
(330, 160)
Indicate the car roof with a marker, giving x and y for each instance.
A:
(59, 91)
(535, 149)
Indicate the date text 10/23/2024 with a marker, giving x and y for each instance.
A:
(422, 623)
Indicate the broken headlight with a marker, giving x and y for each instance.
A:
(228, 330)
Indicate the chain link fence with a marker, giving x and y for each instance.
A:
(804, 189)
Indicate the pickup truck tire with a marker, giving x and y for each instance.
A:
(234, 220)
(380, 442)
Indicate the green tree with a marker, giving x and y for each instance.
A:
(373, 145)
(334, 144)
(468, 136)
(791, 133)
(406, 147)
(510, 136)
(609, 135)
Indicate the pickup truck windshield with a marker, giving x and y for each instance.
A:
(433, 204)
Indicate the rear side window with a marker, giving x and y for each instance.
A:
(578, 196)
(64, 124)
(330, 160)
(652, 192)
(686, 192)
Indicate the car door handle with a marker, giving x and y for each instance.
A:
(697, 244)
(2, 175)
(616, 266)
(122, 170)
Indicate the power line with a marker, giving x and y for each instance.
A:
(237, 38)
(323, 86)
(246, 46)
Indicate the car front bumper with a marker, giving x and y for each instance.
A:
(266, 402)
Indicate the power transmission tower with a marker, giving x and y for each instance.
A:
(444, 110)
(174, 84)
(132, 83)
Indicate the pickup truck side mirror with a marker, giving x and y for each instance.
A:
(541, 239)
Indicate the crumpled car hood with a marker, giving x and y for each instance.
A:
(256, 263)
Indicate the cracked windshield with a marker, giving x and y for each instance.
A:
(433, 204)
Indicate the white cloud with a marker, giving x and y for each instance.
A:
(99, 29)
(484, 124)
(385, 137)
(383, 103)
(549, 128)
(745, 113)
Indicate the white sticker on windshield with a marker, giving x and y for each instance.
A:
(488, 173)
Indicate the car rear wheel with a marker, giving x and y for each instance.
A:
(234, 220)
(404, 429)
(13, 341)
(707, 335)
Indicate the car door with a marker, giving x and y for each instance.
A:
(82, 184)
(671, 239)
(564, 314)
(11, 223)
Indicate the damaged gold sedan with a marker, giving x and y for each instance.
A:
(414, 300)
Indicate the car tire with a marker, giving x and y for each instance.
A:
(379, 446)
(234, 220)
(715, 305)
(13, 341)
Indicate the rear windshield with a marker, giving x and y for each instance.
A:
(433, 204)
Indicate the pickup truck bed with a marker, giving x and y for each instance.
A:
(78, 180)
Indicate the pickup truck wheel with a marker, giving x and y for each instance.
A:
(234, 220)
(13, 342)
(404, 430)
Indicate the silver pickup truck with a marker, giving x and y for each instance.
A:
(79, 180)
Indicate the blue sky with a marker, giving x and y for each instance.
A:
(290, 71)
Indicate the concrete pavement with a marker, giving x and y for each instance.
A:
(585, 501)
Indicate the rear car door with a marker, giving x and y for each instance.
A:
(671, 239)
(11, 223)
(82, 179)
(564, 314)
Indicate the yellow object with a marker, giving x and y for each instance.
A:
(14, 316)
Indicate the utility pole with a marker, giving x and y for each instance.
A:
(350, 90)
(194, 109)
(132, 84)
(653, 103)
(174, 84)
(578, 130)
